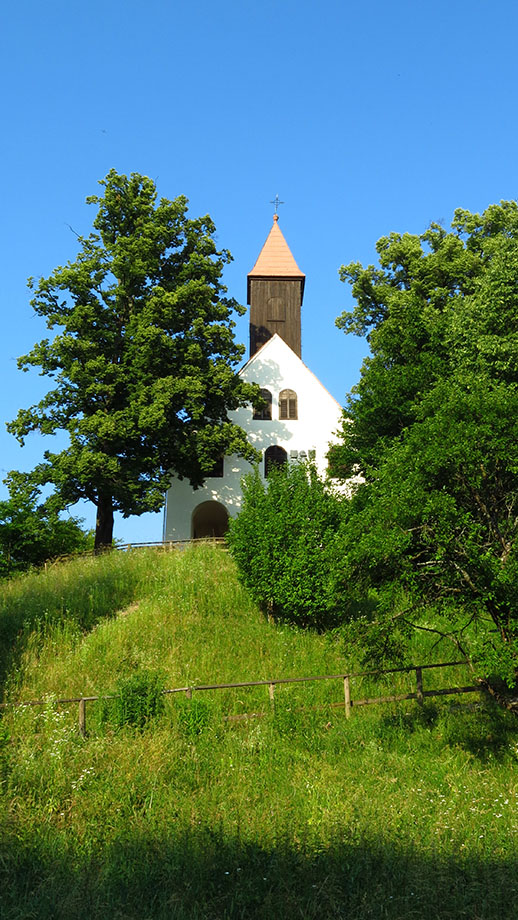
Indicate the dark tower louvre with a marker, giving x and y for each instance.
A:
(275, 292)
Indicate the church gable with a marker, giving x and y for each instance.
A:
(301, 415)
(277, 368)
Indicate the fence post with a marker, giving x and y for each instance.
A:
(347, 696)
(82, 717)
(419, 682)
(271, 691)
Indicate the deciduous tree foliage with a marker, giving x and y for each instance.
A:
(435, 432)
(284, 543)
(143, 360)
(32, 531)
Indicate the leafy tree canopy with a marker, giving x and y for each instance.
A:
(144, 359)
(435, 432)
(32, 532)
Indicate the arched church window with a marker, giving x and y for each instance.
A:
(264, 411)
(274, 456)
(288, 404)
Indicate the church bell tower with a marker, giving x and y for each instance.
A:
(275, 292)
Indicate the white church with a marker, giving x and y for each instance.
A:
(298, 417)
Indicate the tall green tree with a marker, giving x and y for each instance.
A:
(143, 360)
(433, 426)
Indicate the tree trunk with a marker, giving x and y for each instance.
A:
(504, 699)
(104, 523)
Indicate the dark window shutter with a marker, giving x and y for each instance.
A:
(265, 410)
(288, 405)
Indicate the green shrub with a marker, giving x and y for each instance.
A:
(284, 544)
(138, 700)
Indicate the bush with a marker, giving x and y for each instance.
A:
(137, 700)
(284, 542)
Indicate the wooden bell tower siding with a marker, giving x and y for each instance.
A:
(275, 292)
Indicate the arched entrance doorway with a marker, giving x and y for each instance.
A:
(209, 519)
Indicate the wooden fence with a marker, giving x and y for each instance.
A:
(167, 545)
(348, 702)
(172, 544)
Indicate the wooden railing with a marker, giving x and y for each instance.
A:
(172, 544)
(348, 702)
(156, 544)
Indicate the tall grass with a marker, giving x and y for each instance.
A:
(401, 811)
(185, 613)
(73, 596)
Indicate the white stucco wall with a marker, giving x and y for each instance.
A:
(275, 367)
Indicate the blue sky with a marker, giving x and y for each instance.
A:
(364, 117)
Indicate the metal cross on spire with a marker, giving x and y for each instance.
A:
(276, 201)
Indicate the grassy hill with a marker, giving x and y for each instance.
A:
(399, 812)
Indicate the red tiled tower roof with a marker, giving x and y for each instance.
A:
(275, 259)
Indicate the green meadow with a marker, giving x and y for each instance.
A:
(402, 811)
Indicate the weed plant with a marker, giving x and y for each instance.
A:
(402, 811)
(137, 702)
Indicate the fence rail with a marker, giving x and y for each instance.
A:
(348, 702)
(167, 545)
(172, 544)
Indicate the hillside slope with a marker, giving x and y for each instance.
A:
(399, 812)
(182, 612)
